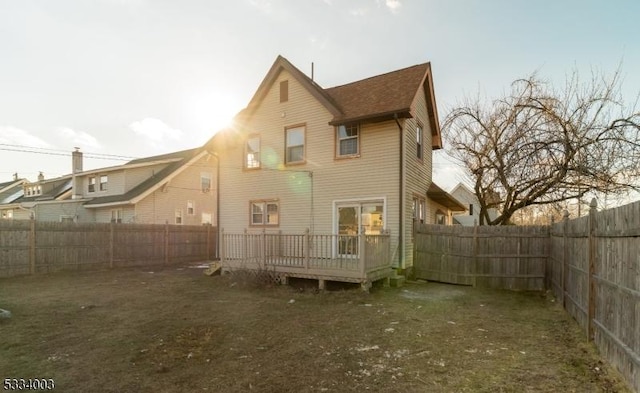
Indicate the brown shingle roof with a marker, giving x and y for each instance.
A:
(379, 96)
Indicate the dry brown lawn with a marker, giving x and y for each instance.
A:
(176, 330)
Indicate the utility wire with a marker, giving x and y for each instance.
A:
(56, 152)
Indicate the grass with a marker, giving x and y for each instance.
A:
(176, 330)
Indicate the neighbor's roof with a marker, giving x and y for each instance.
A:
(152, 183)
(378, 98)
(442, 197)
(61, 185)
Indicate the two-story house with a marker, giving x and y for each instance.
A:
(350, 159)
(176, 188)
(10, 191)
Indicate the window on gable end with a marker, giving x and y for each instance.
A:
(205, 182)
(252, 152)
(295, 140)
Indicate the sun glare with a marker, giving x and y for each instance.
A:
(212, 112)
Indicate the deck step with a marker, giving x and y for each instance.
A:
(214, 267)
(396, 281)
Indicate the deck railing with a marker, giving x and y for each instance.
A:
(356, 253)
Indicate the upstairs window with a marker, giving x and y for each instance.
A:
(252, 152)
(103, 182)
(178, 217)
(191, 208)
(419, 142)
(295, 145)
(205, 182)
(92, 184)
(348, 140)
(264, 213)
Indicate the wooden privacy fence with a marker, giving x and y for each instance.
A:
(30, 246)
(511, 257)
(594, 269)
(592, 265)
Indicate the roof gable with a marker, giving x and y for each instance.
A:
(283, 64)
(378, 98)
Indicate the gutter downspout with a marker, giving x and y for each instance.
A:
(401, 196)
(217, 203)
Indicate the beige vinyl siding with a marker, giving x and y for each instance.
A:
(115, 184)
(159, 207)
(432, 207)
(52, 211)
(418, 173)
(103, 214)
(372, 176)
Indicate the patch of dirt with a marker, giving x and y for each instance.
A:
(175, 329)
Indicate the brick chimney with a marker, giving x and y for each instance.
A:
(76, 167)
(40, 177)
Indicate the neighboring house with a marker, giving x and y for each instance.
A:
(9, 192)
(469, 199)
(346, 160)
(176, 188)
(443, 207)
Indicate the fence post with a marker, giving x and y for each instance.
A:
(222, 246)
(565, 258)
(305, 246)
(363, 254)
(32, 246)
(475, 252)
(166, 242)
(111, 243)
(263, 249)
(592, 267)
(208, 242)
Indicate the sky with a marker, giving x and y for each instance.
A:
(136, 78)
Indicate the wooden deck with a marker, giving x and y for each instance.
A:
(359, 259)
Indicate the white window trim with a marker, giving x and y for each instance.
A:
(206, 175)
(338, 202)
(339, 139)
(178, 214)
(192, 207)
(303, 127)
(265, 202)
(258, 162)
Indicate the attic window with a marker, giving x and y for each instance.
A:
(284, 91)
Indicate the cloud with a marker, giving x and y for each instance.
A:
(79, 138)
(263, 5)
(394, 5)
(15, 136)
(359, 12)
(156, 131)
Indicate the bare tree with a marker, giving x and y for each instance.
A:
(538, 145)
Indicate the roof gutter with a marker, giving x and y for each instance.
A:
(400, 195)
